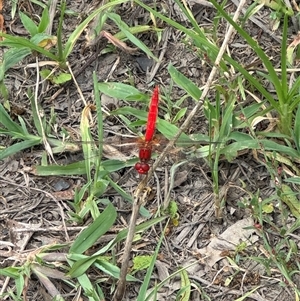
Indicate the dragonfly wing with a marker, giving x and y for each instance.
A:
(111, 152)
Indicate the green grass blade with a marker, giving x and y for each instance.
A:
(189, 15)
(297, 129)
(11, 57)
(17, 147)
(125, 29)
(44, 20)
(201, 42)
(81, 266)
(142, 296)
(143, 211)
(185, 287)
(284, 80)
(199, 39)
(121, 91)
(184, 83)
(112, 270)
(123, 234)
(99, 114)
(19, 42)
(35, 107)
(77, 168)
(89, 288)
(28, 24)
(8, 123)
(60, 53)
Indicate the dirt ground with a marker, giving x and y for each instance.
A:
(30, 202)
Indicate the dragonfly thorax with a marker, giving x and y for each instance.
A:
(145, 154)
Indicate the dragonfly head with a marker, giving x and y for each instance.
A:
(142, 168)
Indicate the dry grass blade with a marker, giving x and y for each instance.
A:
(117, 42)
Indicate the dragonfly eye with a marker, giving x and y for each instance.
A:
(142, 168)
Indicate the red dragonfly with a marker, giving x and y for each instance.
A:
(146, 144)
(149, 142)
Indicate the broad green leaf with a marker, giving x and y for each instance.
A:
(12, 57)
(12, 272)
(89, 288)
(120, 91)
(137, 29)
(112, 270)
(43, 40)
(61, 78)
(20, 283)
(179, 115)
(81, 266)
(28, 24)
(114, 165)
(44, 20)
(17, 147)
(141, 262)
(131, 111)
(79, 168)
(123, 234)
(268, 208)
(170, 130)
(8, 123)
(277, 5)
(101, 225)
(234, 147)
(273, 146)
(295, 180)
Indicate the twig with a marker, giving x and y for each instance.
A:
(76, 84)
(138, 201)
